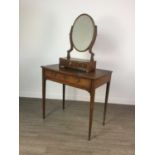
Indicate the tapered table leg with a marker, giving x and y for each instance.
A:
(106, 101)
(43, 93)
(63, 103)
(92, 97)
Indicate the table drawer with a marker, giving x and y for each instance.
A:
(68, 79)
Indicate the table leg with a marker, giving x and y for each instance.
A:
(92, 97)
(43, 94)
(63, 103)
(106, 101)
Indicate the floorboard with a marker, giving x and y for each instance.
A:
(65, 132)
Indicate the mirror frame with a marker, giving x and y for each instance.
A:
(91, 40)
(90, 46)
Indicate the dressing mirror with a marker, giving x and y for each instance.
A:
(83, 32)
(82, 37)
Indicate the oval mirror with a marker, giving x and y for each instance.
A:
(83, 32)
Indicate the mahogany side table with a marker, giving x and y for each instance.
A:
(87, 81)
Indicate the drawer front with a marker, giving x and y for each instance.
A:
(68, 79)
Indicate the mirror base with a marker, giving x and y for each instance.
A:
(77, 64)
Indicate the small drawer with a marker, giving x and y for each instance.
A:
(68, 79)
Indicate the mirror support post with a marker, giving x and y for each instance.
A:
(92, 43)
(71, 43)
(92, 55)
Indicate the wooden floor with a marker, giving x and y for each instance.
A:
(65, 132)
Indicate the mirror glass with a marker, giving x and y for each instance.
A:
(83, 32)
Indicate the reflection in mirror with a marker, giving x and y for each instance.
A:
(83, 32)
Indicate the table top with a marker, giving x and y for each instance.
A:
(98, 73)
